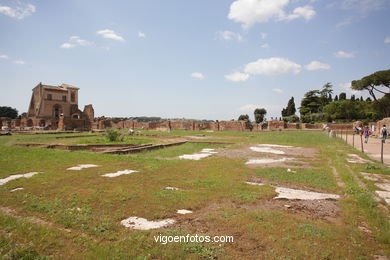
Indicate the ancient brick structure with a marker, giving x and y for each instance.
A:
(276, 125)
(54, 107)
(379, 124)
(312, 126)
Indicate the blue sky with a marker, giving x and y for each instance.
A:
(195, 59)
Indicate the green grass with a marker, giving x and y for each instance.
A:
(92, 206)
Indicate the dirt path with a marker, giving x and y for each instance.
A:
(372, 148)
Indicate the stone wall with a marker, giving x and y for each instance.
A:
(312, 126)
(292, 126)
(232, 126)
(276, 125)
(379, 124)
(183, 125)
(103, 123)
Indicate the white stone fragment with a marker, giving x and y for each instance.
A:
(370, 176)
(17, 176)
(195, 156)
(118, 173)
(384, 195)
(206, 152)
(183, 211)
(275, 145)
(81, 166)
(266, 150)
(266, 160)
(354, 158)
(171, 188)
(144, 224)
(383, 186)
(16, 189)
(254, 183)
(293, 194)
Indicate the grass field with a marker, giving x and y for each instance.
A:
(64, 214)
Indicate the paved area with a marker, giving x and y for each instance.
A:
(372, 148)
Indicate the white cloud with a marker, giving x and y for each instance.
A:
(346, 87)
(263, 35)
(387, 39)
(197, 75)
(249, 12)
(237, 77)
(272, 66)
(316, 65)
(75, 41)
(18, 12)
(3, 56)
(343, 54)
(67, 45)
(248, 107)
(141, 34)
(264, 46)
(277, 90)
(110, 34)
(19, 62)
(228, 35)
(305, 12)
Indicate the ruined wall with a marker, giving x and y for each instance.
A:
(276, 125)
(379, 124)
(183, 125)
(89, 113)
(232, 126)
(292, 126)
(73, 124)
(317, 126)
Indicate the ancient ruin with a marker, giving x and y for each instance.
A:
(56, 108)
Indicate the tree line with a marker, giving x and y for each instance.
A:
(320, 106)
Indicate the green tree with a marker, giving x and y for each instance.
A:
(291, 107)
(259, 114)
(376, 82)
(324, 94)
(342, 96)
(336, 98)
(353, 97)
(243, 117)
(310, 103)
(8, 112)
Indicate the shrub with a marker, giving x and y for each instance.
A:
(113, 135)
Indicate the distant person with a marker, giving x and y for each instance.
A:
(384, 133)
(366, 133)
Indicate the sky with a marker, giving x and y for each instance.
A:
(189, 59)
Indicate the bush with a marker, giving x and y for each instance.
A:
(113, 135)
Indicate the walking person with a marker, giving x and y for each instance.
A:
(366, 133)
(384, 133)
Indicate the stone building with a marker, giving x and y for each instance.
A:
(56, 107)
